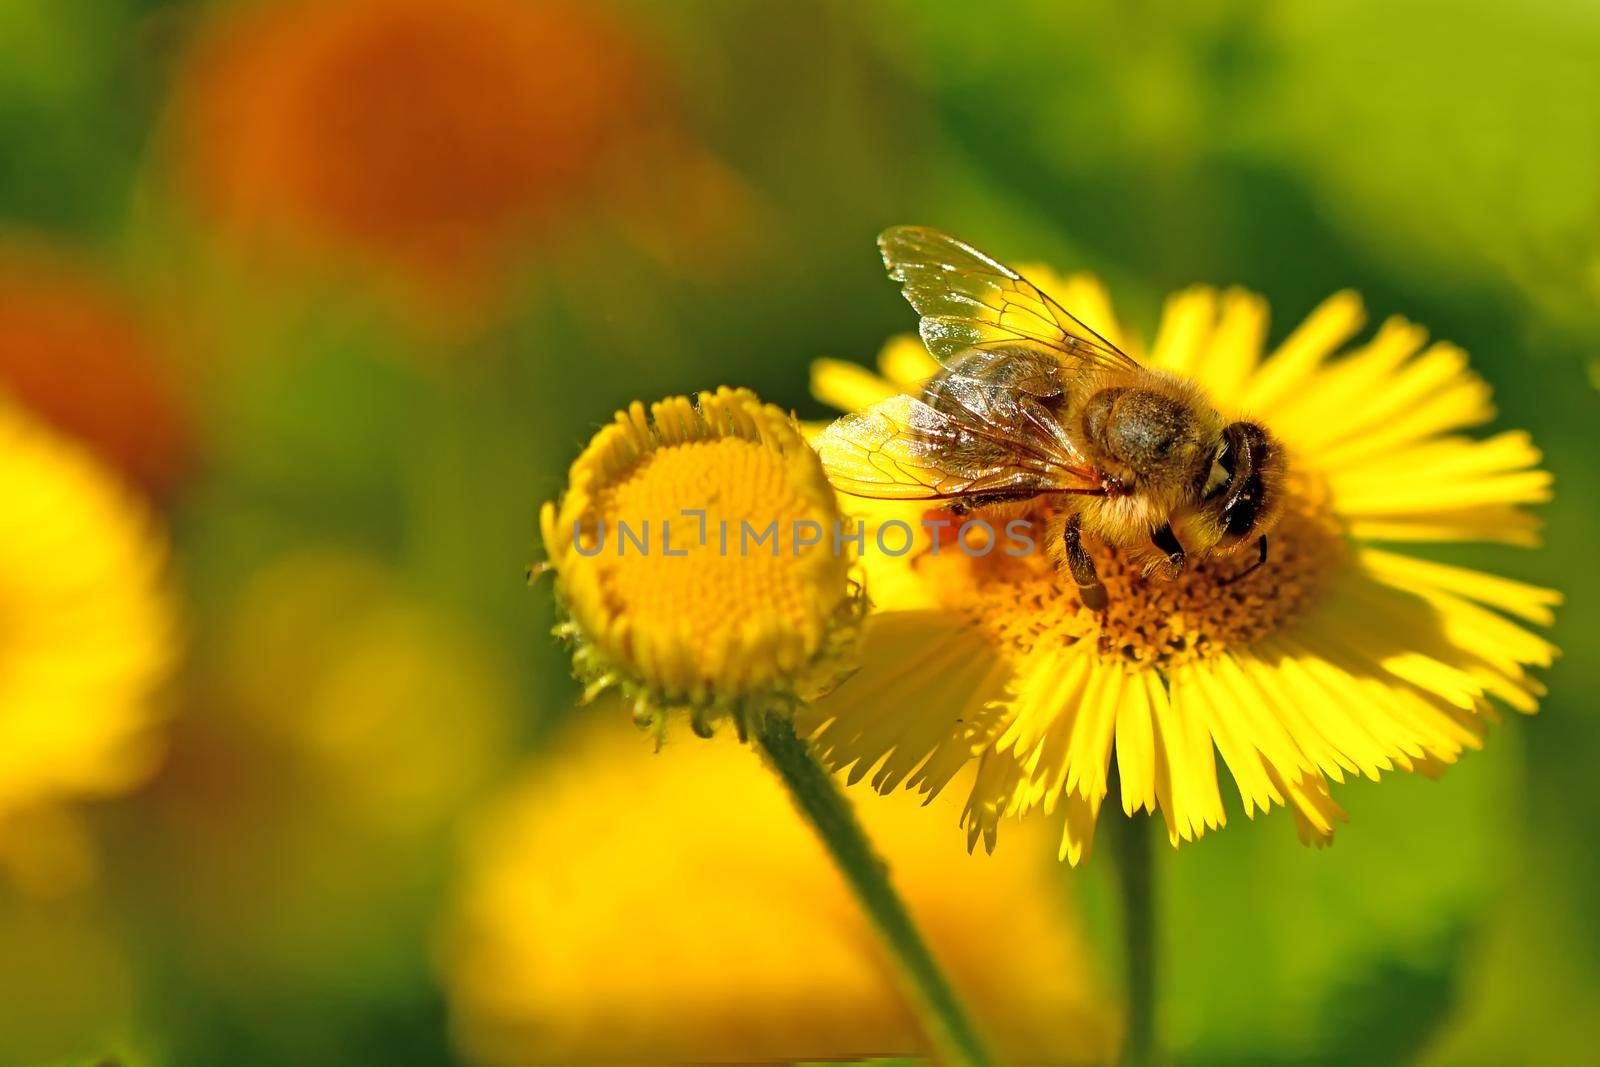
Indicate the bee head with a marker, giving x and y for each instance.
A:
(1243, 492)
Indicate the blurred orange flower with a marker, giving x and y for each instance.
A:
(425, 138)
(75, 352)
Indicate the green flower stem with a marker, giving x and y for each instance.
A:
(820, 800)
(1133, 846)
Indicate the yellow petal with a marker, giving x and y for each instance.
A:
(1432, 394)
(847, 386)
(1234, 351)
(1136, 746)
(906, 363)
(1077, 832)
(1185, 331)
(921, 660)
(1334, 321)
(1089, 757)
(1196, 802)
(1314, 417)
(1525, 601)
(1196, 686)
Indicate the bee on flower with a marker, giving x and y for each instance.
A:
(1215, 579)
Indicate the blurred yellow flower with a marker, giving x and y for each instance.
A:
(1339, 657)
(87, 635)
(584, 933)
(695, 555)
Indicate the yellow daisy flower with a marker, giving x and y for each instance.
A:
(86, 635)
(1339, 657)
(696, 562)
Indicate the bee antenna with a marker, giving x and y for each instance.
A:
(1261, 549)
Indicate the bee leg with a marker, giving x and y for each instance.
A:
(1081, 564)
(1168, 542)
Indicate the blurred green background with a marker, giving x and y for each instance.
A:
(394, 285)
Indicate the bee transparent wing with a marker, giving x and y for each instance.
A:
(1012, 390)
(969, 300)
(905, 448)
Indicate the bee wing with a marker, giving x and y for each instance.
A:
(905, 448)
(969, 300)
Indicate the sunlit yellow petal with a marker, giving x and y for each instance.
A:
(1432, 394)
(1089, 757)
(1196, 802)
(1315, 810)
(1313, 418)
(1234, 350)
(1186, 324)
(1136, 746)
(1312, 733)
(848, 386)
(1525, 601)
(927, 658)
(1048, 760)
(1505, 524)
(1448, 458)
(1203, 698)
(993, 796)
(1300, 675)
(906, 363)
(1333, 322)
(1077, 830)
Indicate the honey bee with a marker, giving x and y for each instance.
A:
(1034, 406)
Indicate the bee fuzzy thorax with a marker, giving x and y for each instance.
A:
(1152, 429)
